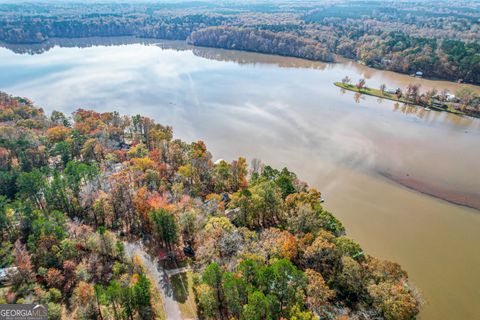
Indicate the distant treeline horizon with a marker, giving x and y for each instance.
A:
(439, 39)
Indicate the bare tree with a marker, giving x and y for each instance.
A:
(430, 94)
(399, 93)
(346, 80)
(383, 87)
(361, 84)
(413, 91)
(256, 165)
(444, 94)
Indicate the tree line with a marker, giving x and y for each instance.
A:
(262, 41)
(440, 39)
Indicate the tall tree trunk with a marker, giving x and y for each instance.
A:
(98, 307)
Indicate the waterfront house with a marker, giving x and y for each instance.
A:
(391, 91)
(451, 97)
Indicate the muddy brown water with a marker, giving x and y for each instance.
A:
(375, 161)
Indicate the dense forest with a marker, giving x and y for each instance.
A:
(260, 41)
(438, 38)
(74, 191)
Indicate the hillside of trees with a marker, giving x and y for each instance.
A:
(39, 29)
(74, 190)
(438, 38)
(260, 41)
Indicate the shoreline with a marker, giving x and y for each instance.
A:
(337, 58)
(389, 96)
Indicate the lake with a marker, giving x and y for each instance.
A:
(384, 168)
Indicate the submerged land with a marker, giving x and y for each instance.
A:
(469, 200)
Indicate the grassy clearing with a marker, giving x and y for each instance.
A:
(182, 287)
(372, 92)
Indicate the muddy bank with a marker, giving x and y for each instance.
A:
(471, 200)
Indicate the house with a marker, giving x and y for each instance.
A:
(217, 162)
(225, 197)
(6, 274)
(386, 62)
(451, 97)
(391, 91)
(232, 214)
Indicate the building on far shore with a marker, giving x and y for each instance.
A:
(451, 97)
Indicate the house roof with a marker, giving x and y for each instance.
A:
(218, 161)
(5, 272)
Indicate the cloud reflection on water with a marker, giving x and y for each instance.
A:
(223, 96)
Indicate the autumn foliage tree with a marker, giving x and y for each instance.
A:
(259, 242)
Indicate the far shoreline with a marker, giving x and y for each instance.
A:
(338, 59)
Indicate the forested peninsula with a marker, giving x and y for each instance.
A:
(439, 39)
(76, 191)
